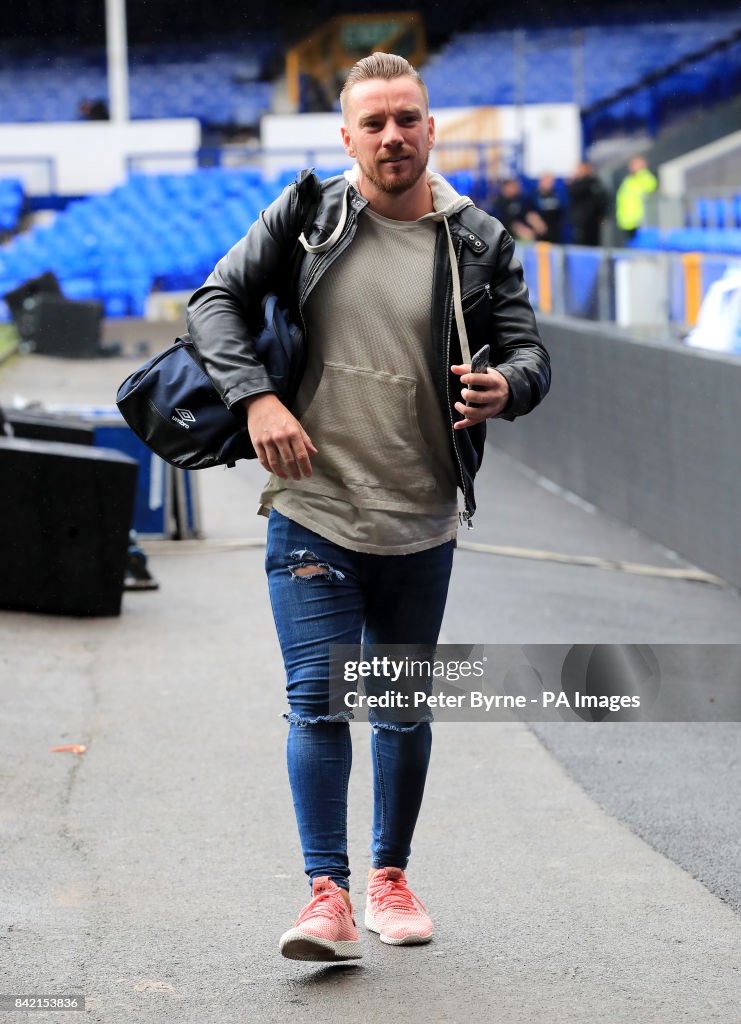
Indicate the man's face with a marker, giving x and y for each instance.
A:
(389, 132)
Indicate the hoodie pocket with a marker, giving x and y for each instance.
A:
(365, 426)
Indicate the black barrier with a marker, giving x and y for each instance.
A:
(64, 527)
(646, 431)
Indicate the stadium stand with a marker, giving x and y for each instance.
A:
(584, 66)
(718, 212)
(220, 85)
(161, 232)
(701, 78)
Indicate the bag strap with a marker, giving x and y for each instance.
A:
(309, 190)
(309, 195)
(460, 323)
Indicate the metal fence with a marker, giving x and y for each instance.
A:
(630, 288)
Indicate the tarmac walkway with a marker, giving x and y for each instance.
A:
(155, 872)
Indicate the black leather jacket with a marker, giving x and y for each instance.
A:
(225, 313)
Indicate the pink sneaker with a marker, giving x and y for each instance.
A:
(391, 911)
(325, 929)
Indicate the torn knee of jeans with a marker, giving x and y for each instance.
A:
(306, 564)
(401, 726)
(293, 718)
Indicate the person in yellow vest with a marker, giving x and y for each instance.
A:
(630, 200)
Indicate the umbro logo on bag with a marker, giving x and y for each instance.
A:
(183, 417)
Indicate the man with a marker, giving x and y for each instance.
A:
(517, 212)
(550, 208)
(630, 202)
(365, 464)
(587, 205)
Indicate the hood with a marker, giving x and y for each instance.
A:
(444, 198)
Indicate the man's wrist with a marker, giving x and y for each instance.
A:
(249, 400)
(510, 393)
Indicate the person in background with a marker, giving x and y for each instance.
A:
(588, 205)
(517, 212)
(93, 110)
(550, 208)
(630, 202)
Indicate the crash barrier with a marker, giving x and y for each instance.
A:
(627, 287)
(645, 431)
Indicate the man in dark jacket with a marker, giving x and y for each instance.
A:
(550, 208)
(587, 205)
(400, 277)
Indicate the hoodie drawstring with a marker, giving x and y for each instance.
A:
(334, 237)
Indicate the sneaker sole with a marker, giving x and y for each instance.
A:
(297, 945)
(408, 940)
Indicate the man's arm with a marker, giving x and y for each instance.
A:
(536, 222)
(520, 374)
(223, 317)
(225, 313)
(521, 229)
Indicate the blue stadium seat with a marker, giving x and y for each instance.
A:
(166, 230)
(11, 203)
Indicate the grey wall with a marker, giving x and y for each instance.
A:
(648, 432)
(716, 173)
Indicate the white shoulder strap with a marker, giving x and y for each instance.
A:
(457, 302)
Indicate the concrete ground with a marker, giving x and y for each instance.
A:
(575, 872)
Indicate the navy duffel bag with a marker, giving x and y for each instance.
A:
(173, 406)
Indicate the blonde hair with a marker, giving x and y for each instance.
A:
(380, 65)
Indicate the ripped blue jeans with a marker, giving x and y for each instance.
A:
(347, 597)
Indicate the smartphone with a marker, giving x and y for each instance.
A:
(479, 364)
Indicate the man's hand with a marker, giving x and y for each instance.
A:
(483, 404)
(524, 231)
(281, 443)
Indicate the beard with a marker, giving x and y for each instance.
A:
(413, 170)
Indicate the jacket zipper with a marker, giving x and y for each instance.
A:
(465, 515)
